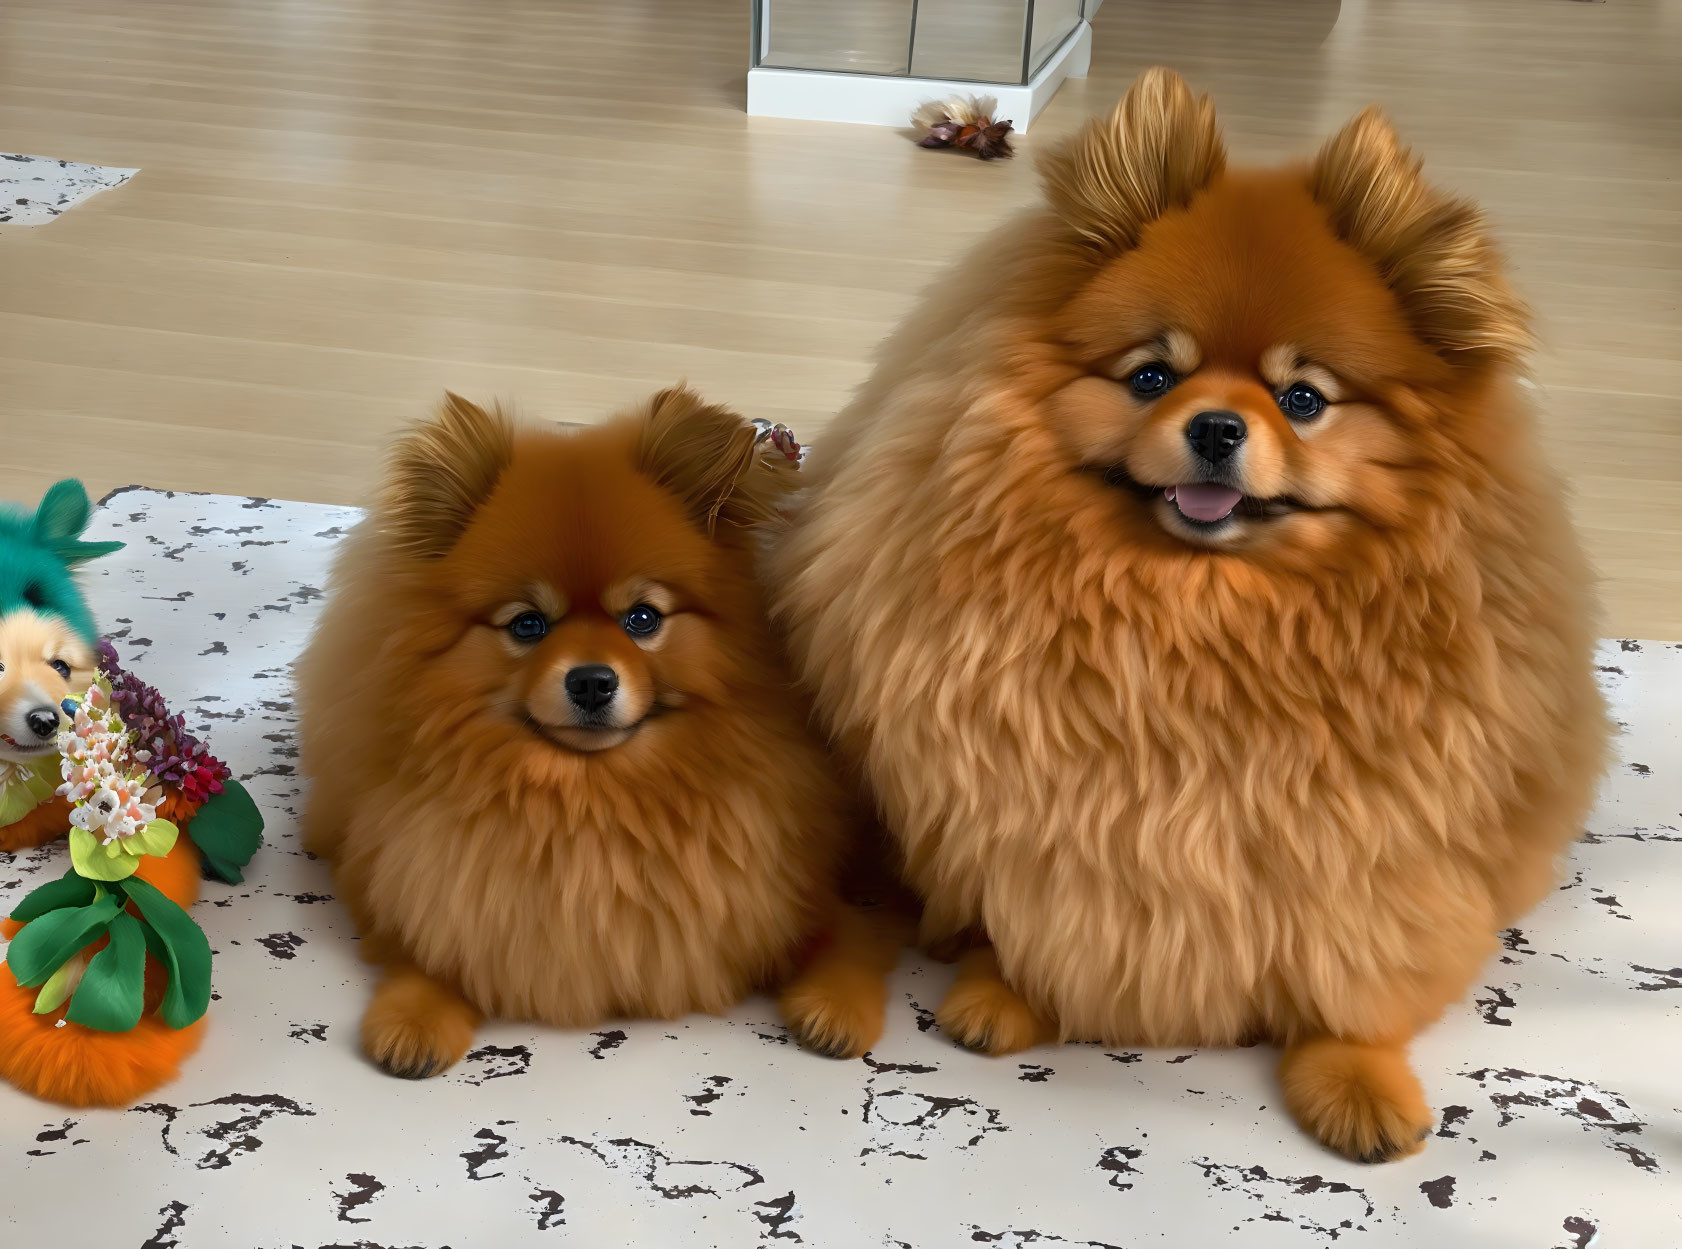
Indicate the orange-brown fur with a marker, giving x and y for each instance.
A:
(834, 1003)
(495, 860)
(1285, 781)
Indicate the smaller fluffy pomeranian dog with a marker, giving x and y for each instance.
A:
(557, 763)
(1188, 587)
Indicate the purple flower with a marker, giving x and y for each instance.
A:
(175, 756)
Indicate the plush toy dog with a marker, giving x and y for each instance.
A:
(106, 976)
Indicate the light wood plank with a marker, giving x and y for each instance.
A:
(347, 205)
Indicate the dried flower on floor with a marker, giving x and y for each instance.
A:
(963, 121)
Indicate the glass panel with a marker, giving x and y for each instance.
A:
(852, 36)
(978, 40)
(1053, 20)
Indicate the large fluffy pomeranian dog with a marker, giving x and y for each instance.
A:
(557, 763)
(1189, 589)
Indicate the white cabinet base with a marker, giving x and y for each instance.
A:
(882, 100)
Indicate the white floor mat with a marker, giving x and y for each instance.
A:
(1558, 1089)
(36, 189)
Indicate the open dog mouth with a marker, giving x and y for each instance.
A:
(1207, 504)
(35, 748)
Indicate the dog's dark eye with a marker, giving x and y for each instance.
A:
(1302, 402)
(1150, 380)
(33, 596)
(60, 667)
(528, 626)
(642, 620)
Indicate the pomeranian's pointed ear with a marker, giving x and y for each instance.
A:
(1157, 149)
(711, 458)
(440, 472)
(1432, 249)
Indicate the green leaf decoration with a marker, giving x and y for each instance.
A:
(32, 787)
(227, 830)
(220, 869)
(97, 860)
(73, 553)
(16, 802)
(181, 946)
(157, 838)
(155, 944)
(57, 988)
(42, 946)
(68, 890)
(113, 989)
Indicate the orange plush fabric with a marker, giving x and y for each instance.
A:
(50, 819)
(79, 1066)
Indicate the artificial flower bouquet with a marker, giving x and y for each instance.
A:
(135, 779)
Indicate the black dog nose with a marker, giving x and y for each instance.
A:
(592, 686)
(42, 721)
(1215, 435)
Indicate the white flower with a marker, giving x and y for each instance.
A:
(108, 789)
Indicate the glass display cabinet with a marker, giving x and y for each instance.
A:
(875, 61)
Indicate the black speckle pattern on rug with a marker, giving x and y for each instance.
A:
(1556, 1082)
(35, 190)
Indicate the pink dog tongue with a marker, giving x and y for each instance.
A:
(1202, 501)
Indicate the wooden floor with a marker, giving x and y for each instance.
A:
(347, 205)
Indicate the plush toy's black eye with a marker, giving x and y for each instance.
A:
(528, 626)
(33, 596)
(1302, 402)
(1150, 380)
(60, 667)
(642, 620)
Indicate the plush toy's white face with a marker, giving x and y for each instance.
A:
(41, 661)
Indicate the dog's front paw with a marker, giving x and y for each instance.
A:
(415, 1028)
(1361, 1100)
(983, 1013)
(835, 1010)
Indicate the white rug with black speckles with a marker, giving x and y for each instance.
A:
(1559, 1088)
(37, 189)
